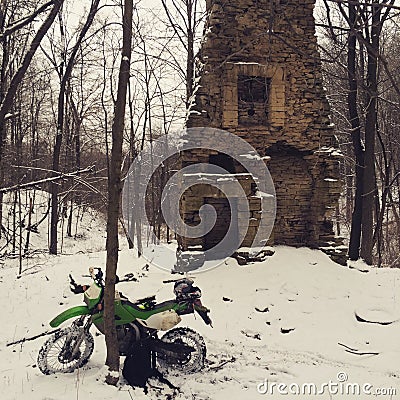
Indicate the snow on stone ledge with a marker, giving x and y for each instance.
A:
(332, 151)
(263, 195)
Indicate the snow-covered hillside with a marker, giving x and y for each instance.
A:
(87, 226)
(289, 320)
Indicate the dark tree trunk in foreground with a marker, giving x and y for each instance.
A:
(369, 186)
(356, 220)
(114, 192)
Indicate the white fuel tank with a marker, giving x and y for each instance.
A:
(162, 321)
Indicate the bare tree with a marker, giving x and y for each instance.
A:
(185, 18)
(354, 119)
(8, 94)
(114, 193)
(368, 72)
(60, 123)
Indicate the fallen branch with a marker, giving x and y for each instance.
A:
(357, 352)
(218, 367)
(363, 353)
(361, 319)
(32, 338)
(46, 180)
(347, 347)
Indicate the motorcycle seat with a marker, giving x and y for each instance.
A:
(163, 304)
(146, 299)
(141, 307)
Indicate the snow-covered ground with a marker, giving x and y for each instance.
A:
(289, 320)
(88, 226)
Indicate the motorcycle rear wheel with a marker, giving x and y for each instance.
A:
(194, 362)
(56, 353)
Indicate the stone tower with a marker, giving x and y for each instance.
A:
(261, 80)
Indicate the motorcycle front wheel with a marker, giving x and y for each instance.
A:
(56, 355)
(194, 362)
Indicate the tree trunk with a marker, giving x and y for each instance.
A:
(28, 231)
(355, 234)
(385, 167)
(114, 192)
(190, 53)
(369, 184)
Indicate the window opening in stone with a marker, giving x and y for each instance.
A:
(253, 95)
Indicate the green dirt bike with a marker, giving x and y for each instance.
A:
(181, 349)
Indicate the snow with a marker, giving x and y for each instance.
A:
(261, 194)
(334, 152)
(298, 291)
(88, 226)
(248, 63)
(279, 325)
(8, 116)
(205, 175)
(250, 250)
(251, 156)
(113, 374)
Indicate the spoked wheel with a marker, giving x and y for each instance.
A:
(63, 352)
(194, 362)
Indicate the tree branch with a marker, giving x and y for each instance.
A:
(361, 3)
(32, 338)
(17, 78)
(24, 21)
(45, 180)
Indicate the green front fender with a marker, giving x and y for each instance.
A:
(67, 314)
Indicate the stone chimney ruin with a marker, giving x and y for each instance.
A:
(261, 80)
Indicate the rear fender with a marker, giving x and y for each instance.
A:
(68, 314)
(203, 312)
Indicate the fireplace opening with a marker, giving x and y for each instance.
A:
(224, 161)
(253, 96)
(225, 217)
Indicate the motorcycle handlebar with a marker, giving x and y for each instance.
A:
(71, 280)
(97, 277)
(129, 277)
(75, 288)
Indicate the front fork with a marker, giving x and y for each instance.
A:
(75, 338)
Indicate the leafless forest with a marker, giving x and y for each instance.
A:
(59, 84)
